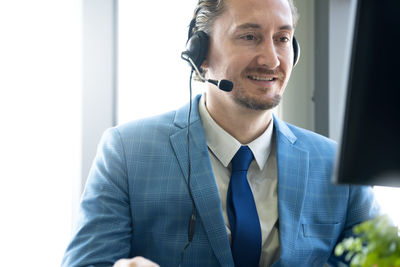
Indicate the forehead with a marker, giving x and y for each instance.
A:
(272, 13)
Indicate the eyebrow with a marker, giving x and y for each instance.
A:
(246, 26)
(286, 27)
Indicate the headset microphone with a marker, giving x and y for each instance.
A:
(224, 85)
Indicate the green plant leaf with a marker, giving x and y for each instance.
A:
(377, 244)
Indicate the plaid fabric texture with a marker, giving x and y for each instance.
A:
(136, 200)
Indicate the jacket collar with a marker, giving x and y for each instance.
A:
(181, 117)
(204, 188)
(293, 164)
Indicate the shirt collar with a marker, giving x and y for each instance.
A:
(224, 146)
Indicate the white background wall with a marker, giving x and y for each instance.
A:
(152, 77)
(40, 112)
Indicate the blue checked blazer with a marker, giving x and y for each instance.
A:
(136, 199)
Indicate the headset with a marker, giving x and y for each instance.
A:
(197, 49)
(195, 54)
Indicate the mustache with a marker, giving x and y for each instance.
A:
(263, 71)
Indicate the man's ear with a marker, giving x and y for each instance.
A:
(204, 65)
(204, 68)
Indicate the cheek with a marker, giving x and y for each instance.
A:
(286, 80)
(238, 63)
(223, 66)
(287, 65)
(235, 68)
(289, 58)
(224, 60)
(215, 56)
(213, 63)
(288, 71)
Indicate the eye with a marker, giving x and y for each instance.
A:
(248, 37)
(284, 39)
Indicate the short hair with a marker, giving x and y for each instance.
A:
(207, 11)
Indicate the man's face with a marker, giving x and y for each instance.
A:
(251, 45)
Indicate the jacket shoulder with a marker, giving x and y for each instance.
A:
(154, 124)
(311, 140)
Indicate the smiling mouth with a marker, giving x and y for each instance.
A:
(260, 78)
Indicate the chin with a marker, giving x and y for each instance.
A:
(258, 103)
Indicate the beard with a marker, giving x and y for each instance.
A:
(242, 98)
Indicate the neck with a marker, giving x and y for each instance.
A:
(244, 124)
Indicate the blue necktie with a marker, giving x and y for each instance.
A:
(242, 213)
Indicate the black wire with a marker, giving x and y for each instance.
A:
(188, 138)
(192, 220)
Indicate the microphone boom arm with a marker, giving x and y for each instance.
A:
(224, 85)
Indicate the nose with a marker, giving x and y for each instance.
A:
(267, 55)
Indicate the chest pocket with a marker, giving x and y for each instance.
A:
(329, 231)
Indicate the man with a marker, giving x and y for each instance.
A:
(136, 205)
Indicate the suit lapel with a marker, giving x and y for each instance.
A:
(203, 185)
(293, 165)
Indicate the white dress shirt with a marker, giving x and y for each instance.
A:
(262, 177)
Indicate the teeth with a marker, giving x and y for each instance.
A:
(260, 78)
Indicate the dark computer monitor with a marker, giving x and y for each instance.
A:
(369, 152)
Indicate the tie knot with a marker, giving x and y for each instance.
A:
(242, 159)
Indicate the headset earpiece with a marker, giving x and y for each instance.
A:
(296, 51)
(197, 47)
